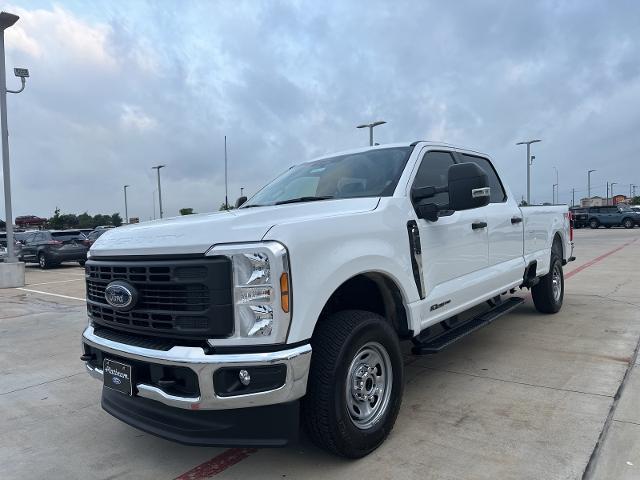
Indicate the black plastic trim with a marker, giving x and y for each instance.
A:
(269, 426)
(258, 348)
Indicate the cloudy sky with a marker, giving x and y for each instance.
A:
(117, 87)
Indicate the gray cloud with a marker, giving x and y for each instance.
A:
(111, 95)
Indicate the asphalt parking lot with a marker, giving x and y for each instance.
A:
(529, 396)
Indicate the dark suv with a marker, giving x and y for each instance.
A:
(49, 248)
(579, 217)
(613, 216)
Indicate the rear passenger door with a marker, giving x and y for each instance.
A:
(504, 224)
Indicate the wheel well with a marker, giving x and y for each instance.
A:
(373, 292)
(557, 245)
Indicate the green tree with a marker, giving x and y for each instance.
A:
(55, 222)
(100, 219)
(635, 201)
(116, 219)
(69, 220)
(227, 207)
(85, 220)
(187, 211)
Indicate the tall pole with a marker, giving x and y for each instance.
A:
(226, 189)
(370, 126)
(612, 184)
(573, 197)
(528, 144)
(589, 183)
(11, 254)
(158, 167)
(126, 209)
(153, 200)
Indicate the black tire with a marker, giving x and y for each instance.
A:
(593, 223)
(81, 262)
(545, 297)
(337, 343)
(627, 223)
(43, 261)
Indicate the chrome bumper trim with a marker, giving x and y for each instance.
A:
(296, 359)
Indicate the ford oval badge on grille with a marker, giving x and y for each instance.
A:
(121, 295)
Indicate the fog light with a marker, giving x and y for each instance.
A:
(244, 377)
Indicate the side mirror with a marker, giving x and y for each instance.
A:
(468, 187)
(240, 201)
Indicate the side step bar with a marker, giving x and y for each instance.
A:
(436, 344)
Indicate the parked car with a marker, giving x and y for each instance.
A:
(207, 337)
(3, 245)
(93, 236)
(635, 208)
(30, 221)
(613, 216)
(49, 248)
(579, 217)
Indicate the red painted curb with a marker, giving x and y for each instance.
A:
(217, 464)
(597, 259)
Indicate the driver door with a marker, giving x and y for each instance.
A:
(455, 248)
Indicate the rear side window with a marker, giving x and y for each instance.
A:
(66, 236)
(433, 172)
(497, 191)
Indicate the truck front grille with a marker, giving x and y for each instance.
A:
(176, 298)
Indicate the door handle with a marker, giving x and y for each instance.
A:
(477, 225)
(515, 220)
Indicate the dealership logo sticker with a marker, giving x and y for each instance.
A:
(120, 295)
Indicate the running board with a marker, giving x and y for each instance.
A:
(437, 343)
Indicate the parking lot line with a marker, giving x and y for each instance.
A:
(217, 464)
(57, 281)
(597, 259)
(52, 294)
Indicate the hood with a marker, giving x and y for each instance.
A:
(195, 234)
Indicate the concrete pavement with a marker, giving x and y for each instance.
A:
(530, 396)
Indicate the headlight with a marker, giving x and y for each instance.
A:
(261, 292)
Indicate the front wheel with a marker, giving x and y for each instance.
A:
(355, 383)
(548, 294)
(43, 261)
(627, 223)
(594, 223)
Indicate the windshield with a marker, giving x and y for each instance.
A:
(374, 173)
(66, 236)
(625, 208)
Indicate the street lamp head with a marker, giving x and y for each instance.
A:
(158, 167)
(21, 72)
(528, 142)
(7, 19)
(592, 171)
(379, 122)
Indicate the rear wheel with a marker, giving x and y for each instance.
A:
(627, 223)
(355, 383)
(548, 294)
(593, 223)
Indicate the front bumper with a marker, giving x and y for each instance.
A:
(297, 361)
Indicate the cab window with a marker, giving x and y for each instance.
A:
(433, 172)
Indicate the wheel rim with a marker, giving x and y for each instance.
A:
(627, 224)
(368, 385)
(42, 261)
(556, 282)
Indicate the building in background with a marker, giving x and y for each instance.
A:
(600, 202)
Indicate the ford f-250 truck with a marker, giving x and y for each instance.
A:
(230, 328)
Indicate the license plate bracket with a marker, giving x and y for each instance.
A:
(117, 376)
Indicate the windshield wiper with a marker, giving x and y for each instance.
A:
(303, 199)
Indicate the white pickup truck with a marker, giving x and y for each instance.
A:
(231, 328)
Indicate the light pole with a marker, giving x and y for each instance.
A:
(7, 20)
(589, 183)
(528, 144)
(153, 200)
(370, 127)
(241, 191)
(126, 210)
(611, 190)
(158, 167)
(634, 191)
(556, 188)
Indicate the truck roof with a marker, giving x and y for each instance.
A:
(392, 145)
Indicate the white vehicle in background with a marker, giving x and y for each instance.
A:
(229, 328)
